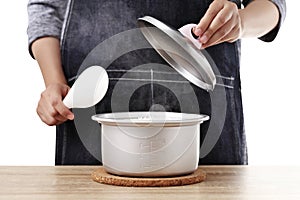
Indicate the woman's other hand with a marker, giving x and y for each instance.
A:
(224, 22)
(51, 108)
(221, 23)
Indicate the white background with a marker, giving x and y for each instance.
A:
(270, 87)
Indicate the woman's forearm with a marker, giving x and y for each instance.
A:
(50, 108)
(46, 51)
(258, 18)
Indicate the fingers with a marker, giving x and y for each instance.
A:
(226, 33)
(48, 115)
(62, 110)
(210, 14)
(51, 109)
(221, 23)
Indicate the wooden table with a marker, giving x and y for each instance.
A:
(223, 182)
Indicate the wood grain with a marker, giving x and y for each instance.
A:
(222, 182)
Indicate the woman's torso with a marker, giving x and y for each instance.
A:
(158, 87)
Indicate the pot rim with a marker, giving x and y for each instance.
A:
(149, 119)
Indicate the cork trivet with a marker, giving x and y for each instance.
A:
(101, 176)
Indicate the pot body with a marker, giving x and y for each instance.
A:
(151, 149)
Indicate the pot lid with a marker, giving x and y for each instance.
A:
(179, 52)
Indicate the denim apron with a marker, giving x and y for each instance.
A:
(141, 80)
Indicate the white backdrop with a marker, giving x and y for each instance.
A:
(270, 86)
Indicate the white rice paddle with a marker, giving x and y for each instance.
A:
(89, 88)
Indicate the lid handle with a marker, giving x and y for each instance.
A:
(186, 31)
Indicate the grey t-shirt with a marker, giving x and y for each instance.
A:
(46, 18)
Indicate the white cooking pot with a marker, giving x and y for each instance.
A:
(150, 143)
(159, 143)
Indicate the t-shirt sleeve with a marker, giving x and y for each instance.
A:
(45, 18)
(281, 5)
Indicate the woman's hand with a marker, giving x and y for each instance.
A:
(221, 23)
(50, 108)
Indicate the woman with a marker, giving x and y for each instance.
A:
(62, 33)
